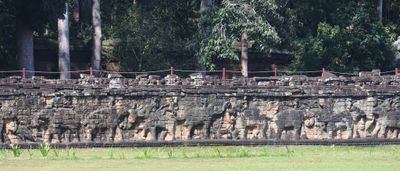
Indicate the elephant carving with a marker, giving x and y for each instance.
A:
(103, 123)
(289, 119)
(60, 124)
(202, 115)
(385, 118)
(249, 118)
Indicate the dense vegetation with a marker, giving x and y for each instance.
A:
(142, 35)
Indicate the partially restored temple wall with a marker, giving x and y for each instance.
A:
(150, 108)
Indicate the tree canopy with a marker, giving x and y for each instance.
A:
(231, 20)
(143, 35)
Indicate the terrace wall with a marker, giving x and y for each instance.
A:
(150, 108)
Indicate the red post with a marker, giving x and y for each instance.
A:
(396, 71)
(91, 71)
(23, 73)
(323, 73)
(171, 71)
(276, 71)
(223, 73)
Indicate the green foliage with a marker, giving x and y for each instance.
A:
(38, 13)
(44, 149)
(16, 150)
(340, 35)
(149, 35)
(231, 20)
(351, 38)
(7, 18)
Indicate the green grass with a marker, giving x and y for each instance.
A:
(207, 158)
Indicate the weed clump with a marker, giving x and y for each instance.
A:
(147, 153)
(16, 150)
(289, 151)
(44, 149)
(170, 154)
(30, 152)
(243, 152)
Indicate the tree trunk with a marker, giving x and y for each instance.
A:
(75, 10)
(85, 11)
(97, 35)
(205, 10)
(25, 56)
(206, 5)
(380, 10)
(205, 29)
(244, 55)
(63, 45)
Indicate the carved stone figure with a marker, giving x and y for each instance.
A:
(10, 129)
(290, 117)
(249, 119)
(335, 123)
(57, 125)
(156, 120)
(202, 115)
(102, 123)
(387, 115)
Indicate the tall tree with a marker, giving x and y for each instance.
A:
(85, 10)
(7, 36)
(63, 45)
(25, 58)
(204, 22)
(24, 36)
(206, 5)
(238, 24)
(75, 10)
(380, 9)
(244, 55)
(348, 36)
(33, 15)
(97, 34)
(151, 34)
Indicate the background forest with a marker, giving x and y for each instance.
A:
(144, 35)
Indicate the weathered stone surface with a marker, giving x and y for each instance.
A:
(117, 109)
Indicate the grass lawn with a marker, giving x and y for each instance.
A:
(207, 158)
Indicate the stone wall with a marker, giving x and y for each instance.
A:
(150, 108)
